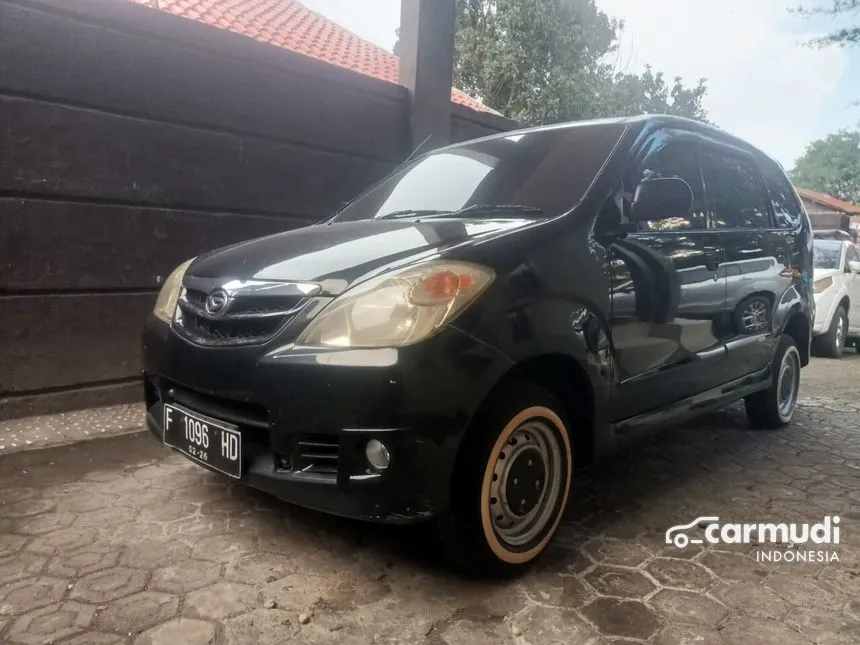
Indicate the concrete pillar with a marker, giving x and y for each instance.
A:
(427, 67)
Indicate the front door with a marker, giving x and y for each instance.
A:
(668, 291)
(853, 281)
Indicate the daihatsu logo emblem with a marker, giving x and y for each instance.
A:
(216, 302)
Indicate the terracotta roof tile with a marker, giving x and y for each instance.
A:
(828, 200)
(291, 25)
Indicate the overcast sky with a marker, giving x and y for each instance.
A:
(763, 84)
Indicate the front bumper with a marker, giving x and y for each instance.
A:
(825, 307)
(418, 401)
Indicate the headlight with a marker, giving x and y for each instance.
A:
(822, 285)
(165, 306)
(398, 308)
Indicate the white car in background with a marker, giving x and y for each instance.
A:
(837, 297)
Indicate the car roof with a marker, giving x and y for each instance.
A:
(642, 123)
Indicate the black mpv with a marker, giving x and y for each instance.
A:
(455, 340)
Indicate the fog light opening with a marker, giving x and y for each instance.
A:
(377, 454)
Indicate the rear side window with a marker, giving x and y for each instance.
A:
(677, 158)
(735, 191)
(786, 209)
(826, 254)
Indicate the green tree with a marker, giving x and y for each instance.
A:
(544, 61)
(831, 165)
(648, 92)
(845, 36)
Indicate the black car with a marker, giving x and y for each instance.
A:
(456, 340)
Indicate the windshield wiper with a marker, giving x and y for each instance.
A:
(496, 208)
(411, 213)
(475, 209)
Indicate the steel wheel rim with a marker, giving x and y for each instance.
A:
(840, 332)
(534, 439)
(755, 315)
(788, 383)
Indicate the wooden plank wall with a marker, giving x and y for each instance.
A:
(131, 140)
(468, 124)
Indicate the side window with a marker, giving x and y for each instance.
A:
(676, 159)
(782, 198)
(850, 255)
(735, 191)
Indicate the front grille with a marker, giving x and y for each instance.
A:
(251, 418)
(196, 298)
(248, 312)
(230, 410)
(228, 331)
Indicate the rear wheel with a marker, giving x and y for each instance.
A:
(832, 343)
(511, 483)
(774, 407)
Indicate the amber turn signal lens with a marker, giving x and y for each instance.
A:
(442, 286)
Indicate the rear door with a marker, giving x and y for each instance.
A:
(668, 290)
(758, 264)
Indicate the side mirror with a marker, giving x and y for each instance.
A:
(854, 266)
(663, 198)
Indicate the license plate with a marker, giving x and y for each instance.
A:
(213, 443)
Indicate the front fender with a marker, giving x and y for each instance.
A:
(825, 308)
(554, 327)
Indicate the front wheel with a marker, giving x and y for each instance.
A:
(511, 483)
(832, 343)
(774, 407)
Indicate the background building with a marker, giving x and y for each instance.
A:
(826, 211)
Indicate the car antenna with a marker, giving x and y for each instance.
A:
(420, 145)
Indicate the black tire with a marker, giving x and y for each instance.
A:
(765, 409)
(831, 344)
(752, 315)
(469, 533)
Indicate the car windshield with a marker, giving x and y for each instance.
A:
(539, 173)
(827, 253)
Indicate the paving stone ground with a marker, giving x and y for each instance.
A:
(120, 541)
(43, 431)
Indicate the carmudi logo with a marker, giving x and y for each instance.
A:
(793, 534)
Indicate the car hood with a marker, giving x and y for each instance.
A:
(817, 274)
(340, 254)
